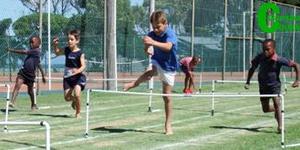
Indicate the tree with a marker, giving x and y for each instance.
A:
(61, 6)
(33, 5)
(79, 5)
(4, 42)
(28, 25)
(4, 25)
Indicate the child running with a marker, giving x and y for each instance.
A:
(163, 61)
(27, 74)
(187, 65)
(268, 77)
(74, 79)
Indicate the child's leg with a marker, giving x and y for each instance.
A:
(277, 112)
(68, 95)
(168, 109)
(191, 81)
(144, 77)
(265, 105)
(77, 90)
(186, 82)
(31, 95)
(19, 82)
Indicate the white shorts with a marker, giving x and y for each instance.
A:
(165, 76)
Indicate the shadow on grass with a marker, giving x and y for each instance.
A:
(9, 110)
(26, 144)
(53, 115)
(262, 115)
(120, 130)
(256, 129)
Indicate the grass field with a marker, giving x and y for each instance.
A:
(122, 122)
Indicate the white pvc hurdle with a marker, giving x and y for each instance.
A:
(283, 145)
(236, 81)
(7, 103)
(42, 123)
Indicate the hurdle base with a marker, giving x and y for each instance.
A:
(149, 109)
(86, 135)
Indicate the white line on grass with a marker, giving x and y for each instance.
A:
(112, 134)
(206, 138)
(147, 127)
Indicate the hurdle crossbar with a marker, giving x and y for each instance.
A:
(185, 95)
(88, 79)
(41, 123)
(213, 94)
(239, 81)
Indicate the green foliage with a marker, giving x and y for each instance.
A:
(4, 25)
(26, 25)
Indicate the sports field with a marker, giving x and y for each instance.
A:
(122, 122)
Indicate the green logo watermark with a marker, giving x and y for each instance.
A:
(270, 20)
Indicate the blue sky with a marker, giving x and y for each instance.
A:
(137, 2)
(12, 9)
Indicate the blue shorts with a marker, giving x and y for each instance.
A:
(71, 82)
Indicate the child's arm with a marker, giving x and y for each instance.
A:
(17, 51)
(166, 47)
(42, 72)
(148, 50)
(297, 72)
(82, 67)
(57, 50)
(250, 74)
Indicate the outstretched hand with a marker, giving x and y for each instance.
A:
(9, 49)
(295, 84)
(246, 86)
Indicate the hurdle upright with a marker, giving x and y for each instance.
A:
(41, 123)
(7, 102)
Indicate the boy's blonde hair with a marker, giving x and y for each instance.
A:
(158, 17)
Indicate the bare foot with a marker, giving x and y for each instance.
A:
(169, 132)
(128, 86)
(279, 130)
(34, 107)
(77, 116)
(11, 105)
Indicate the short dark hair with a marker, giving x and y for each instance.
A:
(269, 40)
(196, 58)
(75, 33)
(37, 37)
